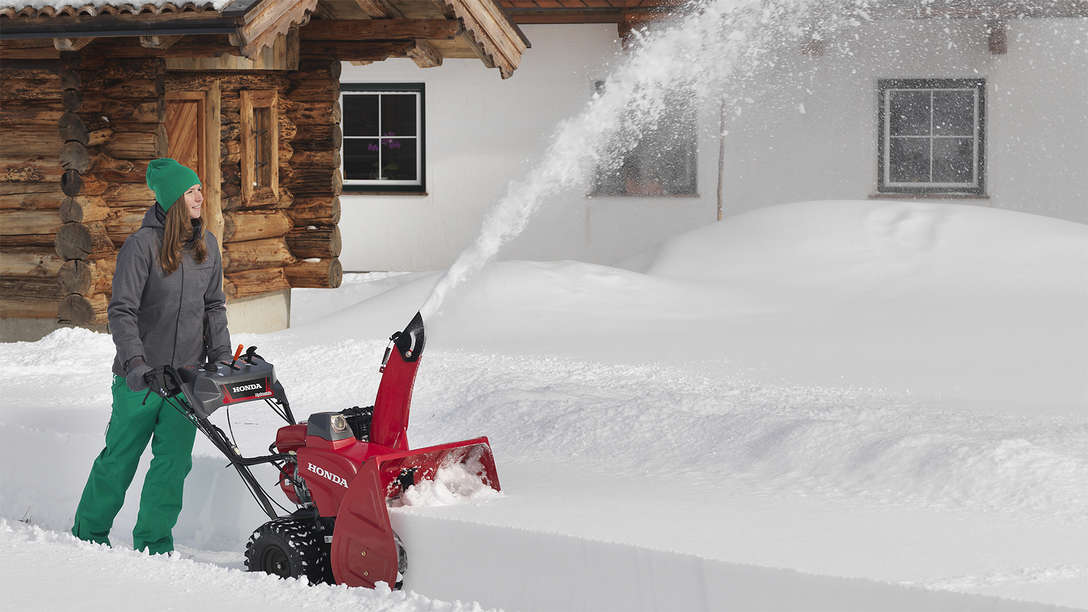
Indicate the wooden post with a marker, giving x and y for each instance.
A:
(998, 37)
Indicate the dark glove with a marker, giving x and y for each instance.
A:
(134, 377)
(155, 379)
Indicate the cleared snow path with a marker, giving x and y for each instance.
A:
(46, 571)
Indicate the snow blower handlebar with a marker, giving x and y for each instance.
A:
(200, 392)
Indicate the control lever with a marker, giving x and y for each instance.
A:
(237, 352)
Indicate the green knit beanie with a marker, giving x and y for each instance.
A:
(169, 180)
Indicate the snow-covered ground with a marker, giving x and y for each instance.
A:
(832, 405)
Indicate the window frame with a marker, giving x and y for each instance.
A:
(380, 186)
(884, 183)
(251, 100)
(595, 191)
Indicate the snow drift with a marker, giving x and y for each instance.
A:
(867, 390)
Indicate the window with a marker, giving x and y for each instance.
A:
(260, 146)
(384, 145)
(664, 161)
(932, 136)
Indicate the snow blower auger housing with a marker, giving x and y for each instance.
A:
(340, 469)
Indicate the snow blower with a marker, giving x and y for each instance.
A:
(340, 469)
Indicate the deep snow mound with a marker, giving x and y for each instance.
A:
(913, 245)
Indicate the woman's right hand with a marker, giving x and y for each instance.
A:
(134, 378)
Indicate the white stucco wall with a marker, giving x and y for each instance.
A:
(483, 132)
(1036, 124)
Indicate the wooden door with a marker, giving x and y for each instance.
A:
(192, 127)
(185, 128)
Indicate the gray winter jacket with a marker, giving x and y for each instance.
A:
(164, 319)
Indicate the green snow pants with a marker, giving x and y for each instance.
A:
(132, 424)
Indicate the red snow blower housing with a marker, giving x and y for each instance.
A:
(340, 469)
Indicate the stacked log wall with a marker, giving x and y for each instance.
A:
(312, 173)
(121, 109)
(43, 153)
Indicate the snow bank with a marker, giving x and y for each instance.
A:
(535, 571)
(937, 300)
(96, 578)
(835, 396)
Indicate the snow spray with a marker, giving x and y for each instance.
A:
(715, 49)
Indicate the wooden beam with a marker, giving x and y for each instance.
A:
(281, 55)
(381, 29)
(490, 34)
(71, 44)
(28, 49)
(814, 47)
(998, 34)
(272, 19)
(208, 45)
(379, 8)
(369, 51)
(158, 42)
(425, 55)
(321, 273)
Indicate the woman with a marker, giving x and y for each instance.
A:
(167, 308)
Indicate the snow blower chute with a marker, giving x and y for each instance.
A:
(340, 469)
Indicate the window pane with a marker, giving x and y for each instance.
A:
(664, 160)
(262, 138)
(361, 158)
(953, 160)
(908, 113)
(398, 115)
(954, 113)
(909, 159)
(399, 159)
(360, 115)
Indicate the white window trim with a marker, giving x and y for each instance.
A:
(419, 149)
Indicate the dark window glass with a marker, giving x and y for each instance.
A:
(909, 113)
(399, 159)
(383, 137)
(398, 115)
(262, 137)
(361, 158)
(954, 113)
(953, 160)
(910, 160)
(360, 114)
(932, 136)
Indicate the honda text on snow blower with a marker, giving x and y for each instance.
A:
(339, 468)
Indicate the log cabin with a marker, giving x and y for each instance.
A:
(246, 92)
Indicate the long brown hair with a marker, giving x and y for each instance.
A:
(178, 234)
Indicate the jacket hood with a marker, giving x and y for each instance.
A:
(156, 218)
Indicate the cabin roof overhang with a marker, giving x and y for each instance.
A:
(353, 30)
